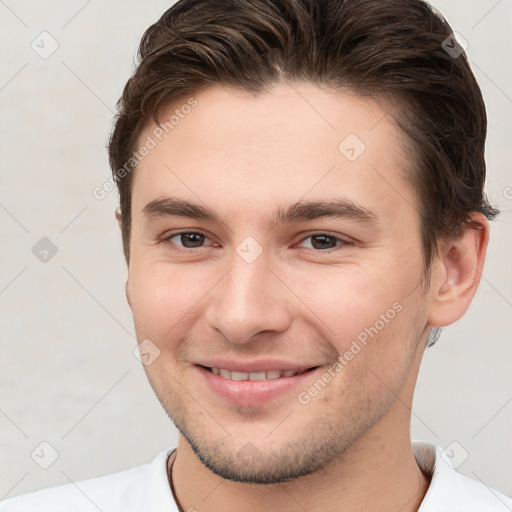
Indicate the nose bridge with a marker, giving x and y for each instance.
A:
(248, 300)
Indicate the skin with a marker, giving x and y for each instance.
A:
(244, 156)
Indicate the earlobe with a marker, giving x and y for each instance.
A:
(118, 216)
(458, 272)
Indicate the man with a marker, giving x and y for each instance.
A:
(302, 209)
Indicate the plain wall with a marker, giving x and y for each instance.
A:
(68, 375)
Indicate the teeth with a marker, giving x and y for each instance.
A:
(268, 375)
(257, 376)
(239, 376)
(274, 374)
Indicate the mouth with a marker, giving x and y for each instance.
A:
(255, 388)
(256, 376)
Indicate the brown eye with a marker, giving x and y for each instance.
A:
(325, 242)
(191, 240)
(185, 240)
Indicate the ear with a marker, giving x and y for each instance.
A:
(127, 291)
(457, 273)
(118, 216)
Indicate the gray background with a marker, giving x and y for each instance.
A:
(68, 375)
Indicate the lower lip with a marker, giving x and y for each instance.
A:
(253, 392)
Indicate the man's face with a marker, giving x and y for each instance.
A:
(251, 292)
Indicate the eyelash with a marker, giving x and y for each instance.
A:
(166, 240)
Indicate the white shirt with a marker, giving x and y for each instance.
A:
(146, 488)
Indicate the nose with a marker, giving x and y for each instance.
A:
(249, 300)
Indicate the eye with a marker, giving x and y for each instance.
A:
(187, 239)
(322, 241)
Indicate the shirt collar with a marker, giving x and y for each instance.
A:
(450, 491)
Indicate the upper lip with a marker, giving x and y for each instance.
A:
(254, 366)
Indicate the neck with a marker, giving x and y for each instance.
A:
(375, 474)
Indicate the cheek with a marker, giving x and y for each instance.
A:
(367, 304)
(348, 301)
(162, 296)
(372, 327)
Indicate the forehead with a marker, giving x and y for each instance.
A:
(233, 149)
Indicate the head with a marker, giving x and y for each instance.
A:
(250, 110)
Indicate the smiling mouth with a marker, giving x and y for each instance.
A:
(255, 376)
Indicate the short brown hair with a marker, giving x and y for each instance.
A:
(392, 49)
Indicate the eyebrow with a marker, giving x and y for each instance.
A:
(298, 212)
